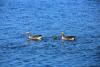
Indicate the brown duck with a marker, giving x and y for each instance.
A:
(34, 37)
(70, 38)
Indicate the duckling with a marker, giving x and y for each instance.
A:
(70, 38)
(55, 37)
(34, 37)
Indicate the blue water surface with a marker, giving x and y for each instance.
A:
(80, 18)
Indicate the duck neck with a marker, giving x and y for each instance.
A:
(29, 35)
(62, 36)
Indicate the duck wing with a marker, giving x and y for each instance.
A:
(37, 35)
(70, 37)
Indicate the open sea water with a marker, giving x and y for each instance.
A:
(80, 18)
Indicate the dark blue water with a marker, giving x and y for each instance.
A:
(80, 18)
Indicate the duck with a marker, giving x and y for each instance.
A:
(34, 37)
(70, 38)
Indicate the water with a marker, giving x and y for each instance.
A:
(80, 18)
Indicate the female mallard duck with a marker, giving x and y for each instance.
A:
(34, 37)
(71, 38)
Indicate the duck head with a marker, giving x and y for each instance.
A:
(28, 33)
(62, 33)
